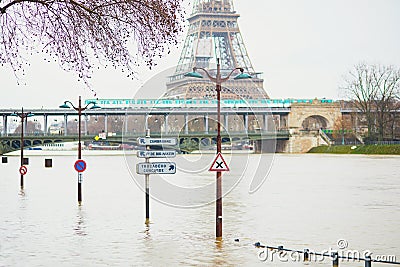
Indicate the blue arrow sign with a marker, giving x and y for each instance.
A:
(142, 141)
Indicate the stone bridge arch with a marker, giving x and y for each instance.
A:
(313, 116)
(314, 123)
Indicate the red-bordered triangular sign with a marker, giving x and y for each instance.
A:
(219, 164)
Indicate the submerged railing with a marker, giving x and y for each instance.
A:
(335, 255)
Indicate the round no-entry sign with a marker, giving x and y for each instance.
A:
(80, 165)
(23, 170)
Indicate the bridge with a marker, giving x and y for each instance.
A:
(13, 142)
(184, 112)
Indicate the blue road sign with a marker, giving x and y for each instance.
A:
(80, 165)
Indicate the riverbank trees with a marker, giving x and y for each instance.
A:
(374, 90)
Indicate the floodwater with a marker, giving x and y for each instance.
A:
(307, 201)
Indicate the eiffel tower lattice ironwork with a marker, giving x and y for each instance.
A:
(214, 34)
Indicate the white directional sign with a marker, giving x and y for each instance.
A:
(145, 141)
(156, 167)
(102, 135)
(219, 164)
(156, 154)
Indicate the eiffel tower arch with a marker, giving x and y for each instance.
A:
(214, 34)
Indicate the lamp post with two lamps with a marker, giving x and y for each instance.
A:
(79, 108)
(23, 115)
(218, 80)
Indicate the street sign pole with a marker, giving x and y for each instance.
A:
(80, 167)
(79, 151)
(147, 186)
(22, 148)
(218, 211)
(146, 168)
(218, 80)
(79, 189)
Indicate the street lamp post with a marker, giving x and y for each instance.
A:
(218, 80)
(23, 115)
(79, 109)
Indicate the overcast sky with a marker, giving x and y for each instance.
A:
(303, 47)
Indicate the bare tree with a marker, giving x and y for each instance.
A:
(31, 128)
(76, 33)
(387, 83)
(360, 89)
(394, 118)
(95, 125)
(374, 90)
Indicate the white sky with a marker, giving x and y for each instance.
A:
(303, 47)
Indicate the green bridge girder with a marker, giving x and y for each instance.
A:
(12, 143)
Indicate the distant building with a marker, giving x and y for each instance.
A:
(56, 129)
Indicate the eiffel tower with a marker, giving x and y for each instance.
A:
(214, 34)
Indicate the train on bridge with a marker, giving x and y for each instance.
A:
(198, 103)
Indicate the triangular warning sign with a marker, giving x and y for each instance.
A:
(219, 164)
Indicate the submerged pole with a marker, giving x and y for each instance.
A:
(147, 184)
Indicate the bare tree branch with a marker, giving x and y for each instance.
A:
(4, 8)
(78, 33)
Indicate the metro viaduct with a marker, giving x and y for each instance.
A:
(262, 115)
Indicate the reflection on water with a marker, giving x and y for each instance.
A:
(147, 231)
(80, 223)
(22, 192)
(308, 201)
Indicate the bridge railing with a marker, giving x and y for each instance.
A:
(325, 137)
(382, 142)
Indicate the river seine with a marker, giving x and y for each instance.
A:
(307, 201)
